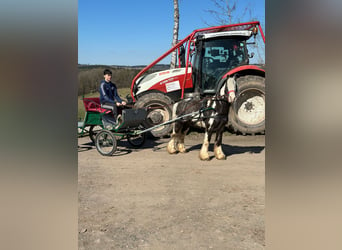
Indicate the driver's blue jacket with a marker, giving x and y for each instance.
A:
(109, 93)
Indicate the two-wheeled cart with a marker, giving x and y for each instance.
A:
(129, 126)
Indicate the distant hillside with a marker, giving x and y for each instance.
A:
(89, 76)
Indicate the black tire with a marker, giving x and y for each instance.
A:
(136, 141)
(159, 111)
(93, 130)
(247, 114)
(105, 143)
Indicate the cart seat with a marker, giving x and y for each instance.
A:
(93, 104)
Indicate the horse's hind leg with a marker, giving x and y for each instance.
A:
(204, 155)
(177, 137)
(171, 146)
(180, 145)
(218, 145)
(219, 153)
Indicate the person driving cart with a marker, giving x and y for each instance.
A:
(109, 97)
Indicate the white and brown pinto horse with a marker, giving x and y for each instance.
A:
(212, 112)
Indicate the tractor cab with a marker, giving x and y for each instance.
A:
(216, 54)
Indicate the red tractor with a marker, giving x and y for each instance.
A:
(206, 58)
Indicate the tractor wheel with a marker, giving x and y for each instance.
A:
(247, 114)
(159, 110)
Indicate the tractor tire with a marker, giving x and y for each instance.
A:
(247, 113)
(159, 110)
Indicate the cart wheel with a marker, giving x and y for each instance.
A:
(136, 140)
(93, 131)
(105, 143)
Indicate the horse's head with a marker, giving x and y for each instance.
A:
(228, 89)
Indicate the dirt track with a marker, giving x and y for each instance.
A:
(147, 199)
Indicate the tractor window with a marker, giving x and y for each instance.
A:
(218, 57)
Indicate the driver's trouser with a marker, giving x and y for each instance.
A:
(111, 106)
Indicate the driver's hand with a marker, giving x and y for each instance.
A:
(121, 104)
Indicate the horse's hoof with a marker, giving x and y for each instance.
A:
(204, 157)
(172, 151)
(182, 150)
(221, 157)
(219, 154)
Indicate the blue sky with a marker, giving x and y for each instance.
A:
(136, 32)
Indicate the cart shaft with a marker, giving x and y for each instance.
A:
(138, 132)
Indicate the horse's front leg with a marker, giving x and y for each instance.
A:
(204, 155)
(218, 145)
